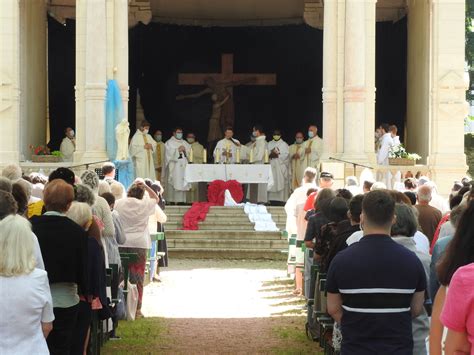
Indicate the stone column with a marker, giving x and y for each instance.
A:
(9, 82)
(91, 76)
(448, 87)
(355, 55)
(330, 79)
(370, 94)
(121, 50)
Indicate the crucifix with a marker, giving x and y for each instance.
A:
(220, 86)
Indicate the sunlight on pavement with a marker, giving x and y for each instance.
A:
(197, 291)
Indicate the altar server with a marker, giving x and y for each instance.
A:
(142, 148)
(278, 154)
(177, 153)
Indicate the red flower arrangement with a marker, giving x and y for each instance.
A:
(40, 150)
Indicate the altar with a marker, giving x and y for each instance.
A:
(251, 174)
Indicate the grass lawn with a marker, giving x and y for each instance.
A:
(144, 336)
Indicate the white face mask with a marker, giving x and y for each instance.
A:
(145, 131)
(71, 133)
(191, 140)
(310, 134)
(158, 138)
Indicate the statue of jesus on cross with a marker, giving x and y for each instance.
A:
(220, 86)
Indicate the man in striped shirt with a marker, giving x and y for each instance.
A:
(376, 286)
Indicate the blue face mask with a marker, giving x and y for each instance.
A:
(179, 135)
(310, 134)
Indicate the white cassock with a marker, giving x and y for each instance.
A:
(312, 159)
(67, 149)
(398, 185)
(296, 165)
(280, 189)
(257, 155)
(386, 142)
(175, 163)
(143, 158)
(225, 145)
(198, 158)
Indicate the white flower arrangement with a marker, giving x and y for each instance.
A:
(399, 151)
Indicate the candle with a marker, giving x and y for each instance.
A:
(237, 156)
(265, 158)
(190, 158)
(204, 156)
(251, 156)
(218, 156)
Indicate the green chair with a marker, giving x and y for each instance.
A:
(154, 254)
(127, 259)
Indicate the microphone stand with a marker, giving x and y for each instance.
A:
(355, 165)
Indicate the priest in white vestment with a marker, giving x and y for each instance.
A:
(296, 163)
(142, 148)
(279, 154)
(257, 156)
(159, 156)
(177, 153)
(313, 149)
(386, 142)
(196, 157)
(226, 149)
(68, 145)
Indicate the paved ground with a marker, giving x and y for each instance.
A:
(227, 307)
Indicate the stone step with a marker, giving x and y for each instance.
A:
(205, 253)
(227, 244)
(223, 234)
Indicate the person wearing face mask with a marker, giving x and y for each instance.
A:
(313, 148)
(197, 158)
(296, 163)
(159, 156)
(228, 147)
(142, 148)
(68, 144)
(177, 154)
(279, 154)
(258, 192)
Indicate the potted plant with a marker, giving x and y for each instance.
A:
(42, 154)
(399, 156)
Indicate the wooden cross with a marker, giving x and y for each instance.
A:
(227, 75)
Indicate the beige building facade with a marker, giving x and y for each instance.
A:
(436, 80)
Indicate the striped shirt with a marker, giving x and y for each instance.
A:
(376, 279)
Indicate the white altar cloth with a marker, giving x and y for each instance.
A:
(243, 173)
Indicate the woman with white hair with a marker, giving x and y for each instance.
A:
(24, 322)
(101, 209)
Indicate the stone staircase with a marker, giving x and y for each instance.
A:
(226, 233)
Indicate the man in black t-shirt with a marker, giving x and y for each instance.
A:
(376, 286)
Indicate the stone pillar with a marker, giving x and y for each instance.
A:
(330, 79)
(448, 87)
(9, 82)
(91, 76)
(121, 50)
(355, 55)
(369, 126)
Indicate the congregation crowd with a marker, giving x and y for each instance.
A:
(58, 235)
(398, 264)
